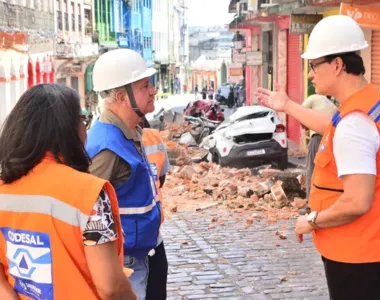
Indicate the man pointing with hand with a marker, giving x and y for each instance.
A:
(345, 192)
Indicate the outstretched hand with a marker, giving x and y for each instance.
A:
(275, 100)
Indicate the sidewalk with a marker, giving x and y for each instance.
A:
(229, 260)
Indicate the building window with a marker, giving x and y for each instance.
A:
(59, 20)
(66, 21)
(79, 18)
(88, 22)
(61, 81)
(75, 84)
(72, 17)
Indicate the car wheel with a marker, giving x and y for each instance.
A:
(283, 162)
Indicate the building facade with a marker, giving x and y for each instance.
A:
(75, 47)
(210, 56)
(26, 48)
(280, 35)
(160, 24)
(171, 45)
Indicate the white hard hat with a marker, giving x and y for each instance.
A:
(334, 35)
(118, 68)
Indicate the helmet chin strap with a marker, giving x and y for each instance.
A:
(133, 101)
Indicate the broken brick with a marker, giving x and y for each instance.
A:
(187, 172)
(279, 195)
(299, 203)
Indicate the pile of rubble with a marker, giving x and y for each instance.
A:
(180, 154)
(277, 194)
(271, 194)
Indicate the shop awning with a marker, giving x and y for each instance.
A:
(88, 76)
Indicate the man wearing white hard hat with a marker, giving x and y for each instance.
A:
(345, 192)
(115, 145)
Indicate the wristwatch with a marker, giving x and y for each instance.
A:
(311, 218)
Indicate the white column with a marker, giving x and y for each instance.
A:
(23, 78)
(15, 85)
(5, 93)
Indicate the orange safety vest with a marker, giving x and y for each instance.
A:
(155, 152)
(359, 241)
(42, 218)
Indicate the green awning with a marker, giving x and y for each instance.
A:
(88, 77)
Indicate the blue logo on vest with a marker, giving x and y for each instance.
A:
(153, 166)
(30, 263)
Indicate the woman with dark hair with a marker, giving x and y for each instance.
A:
(60, 232)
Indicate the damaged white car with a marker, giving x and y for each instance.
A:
(251, 135)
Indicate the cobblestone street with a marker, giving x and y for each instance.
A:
(230, 260)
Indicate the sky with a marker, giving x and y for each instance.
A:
(208, 12)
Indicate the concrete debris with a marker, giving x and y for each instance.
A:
(272, 194)
(299, 203)
(239, 190)
(174, 208)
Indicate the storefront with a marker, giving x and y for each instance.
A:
(13, 53)
(294, 84)
(300, 24)
(73, 67)
(369, 19)
(40, 62)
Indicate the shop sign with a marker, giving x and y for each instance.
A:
(303, 23)
(364, 16)
(236, 72)
(329, 2)
(254, 58)
(46, 67)
(39, 44)
(239, 58)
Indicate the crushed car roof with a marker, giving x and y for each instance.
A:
(248, 110)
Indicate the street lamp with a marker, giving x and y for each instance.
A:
(238, 41)
(60, 48)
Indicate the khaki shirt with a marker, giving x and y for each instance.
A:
(320, 103)
(106, 164)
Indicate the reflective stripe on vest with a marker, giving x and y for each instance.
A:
(42, 219)
(138, 210)
(44, 205)
(374, 113)
(154, 149)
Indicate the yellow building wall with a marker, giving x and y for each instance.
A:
(305, 42)
(306, 137)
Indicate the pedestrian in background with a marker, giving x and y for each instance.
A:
(231, 99)
(323, 104)
(204, 93)
(210, 92)
(345, 191)
(52, 210)
(115, 145)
